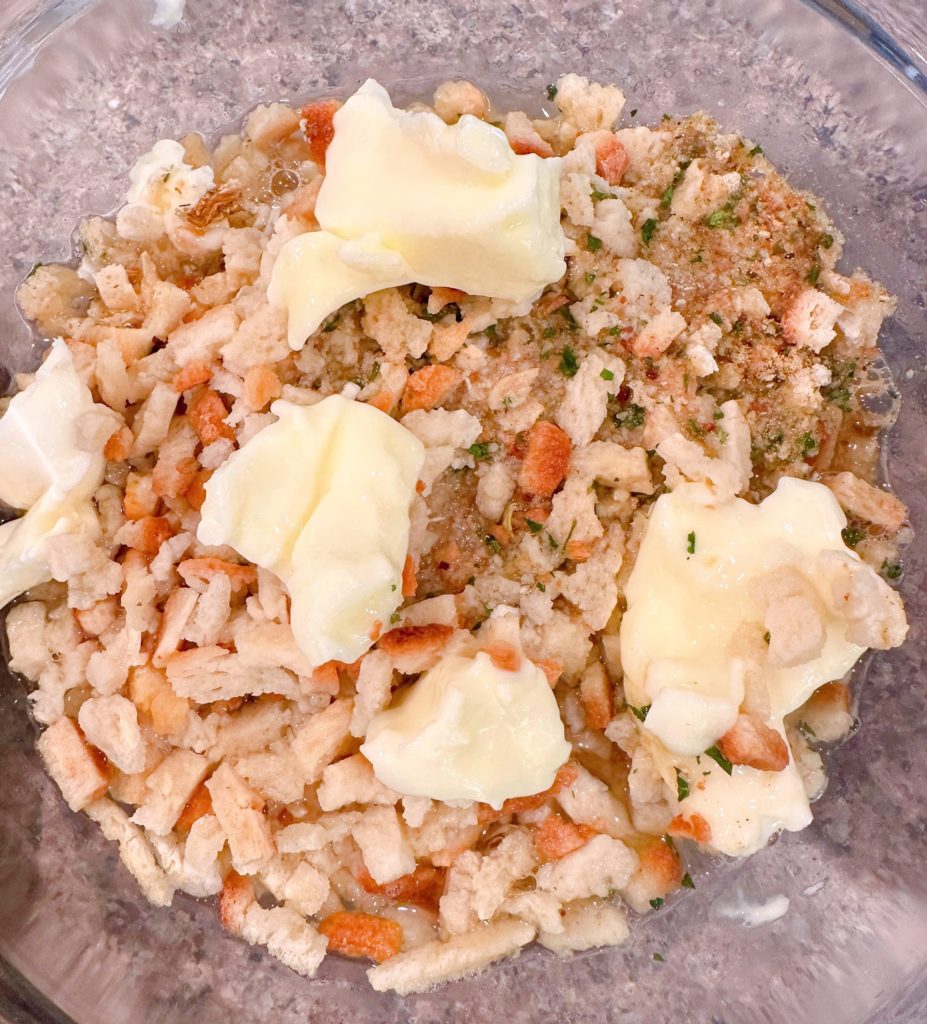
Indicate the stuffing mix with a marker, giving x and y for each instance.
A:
(700, 333)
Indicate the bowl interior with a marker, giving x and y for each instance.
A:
(90, 85)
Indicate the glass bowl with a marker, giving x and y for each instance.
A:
(837, 98)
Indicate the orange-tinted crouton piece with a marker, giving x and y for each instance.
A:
(206, 413)
(547, 459)
(429, 387)
(362, 935)
(751, 742)
(317, 122)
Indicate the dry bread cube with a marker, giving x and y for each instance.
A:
(207, 674)
(454, 99)
(585, 403)
(589, 801)
(867, 502)
(71, 763)
(306, 889)
(587, 105)
(252, 728)
(351, 781)
(599, 867)
(540, 909)
(153, 419)
(201, 874)
(810, 320)
(135, 851)
(310, 836)
(25, 632)
(170, 786)
(240, 810)
(477, 885)
(275, 772)
(111, 725)
(587, 925)
(287, 936)
(873, 611)
(724, 477)
(201, 340)
(609, 463)
(268, 125)
(383, 846)
(321, 738)
(397, 331)
(417, 970)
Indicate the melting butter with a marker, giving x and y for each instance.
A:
(408, 198)
(468, 730)
(322, 498)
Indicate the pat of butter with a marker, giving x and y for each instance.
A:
(681, 651)
(38, 435)
(45, 469)
(468, 730)
(321, 498)
(419, 200)
(162, 180)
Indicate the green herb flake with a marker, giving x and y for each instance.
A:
(633, 112)
(756, 151)
(375, 372)
(716, 318)
(682, 786)
(891, 570)
(717, 756)
(593, 244)
(807, 442)
(331, 325)
(548, 332)
(490, 332)
(479, 450)
(607, 375)
(394, 618)
(657, 902)
(725, 218)
(567, 315)
(695, 428)
(393, 586)
(839, 395)
(690, 545)
(767, 636)
(551, 91)
(807, 730)
(659, 957)
(540, 586)
(826, 241)
(640, 713)
(494, 546)
(632, 417)
(590, 277)
(568, 363)
(471, 580)
(533, 526)
(814, 273)
(852, 535)
(649, 230)
(687, 882)
(598, 196)
(667, 197)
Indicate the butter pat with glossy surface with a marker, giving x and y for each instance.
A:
(468, 730)
(322, 498)
(690, 595)
(419, 200)
(46, 469)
